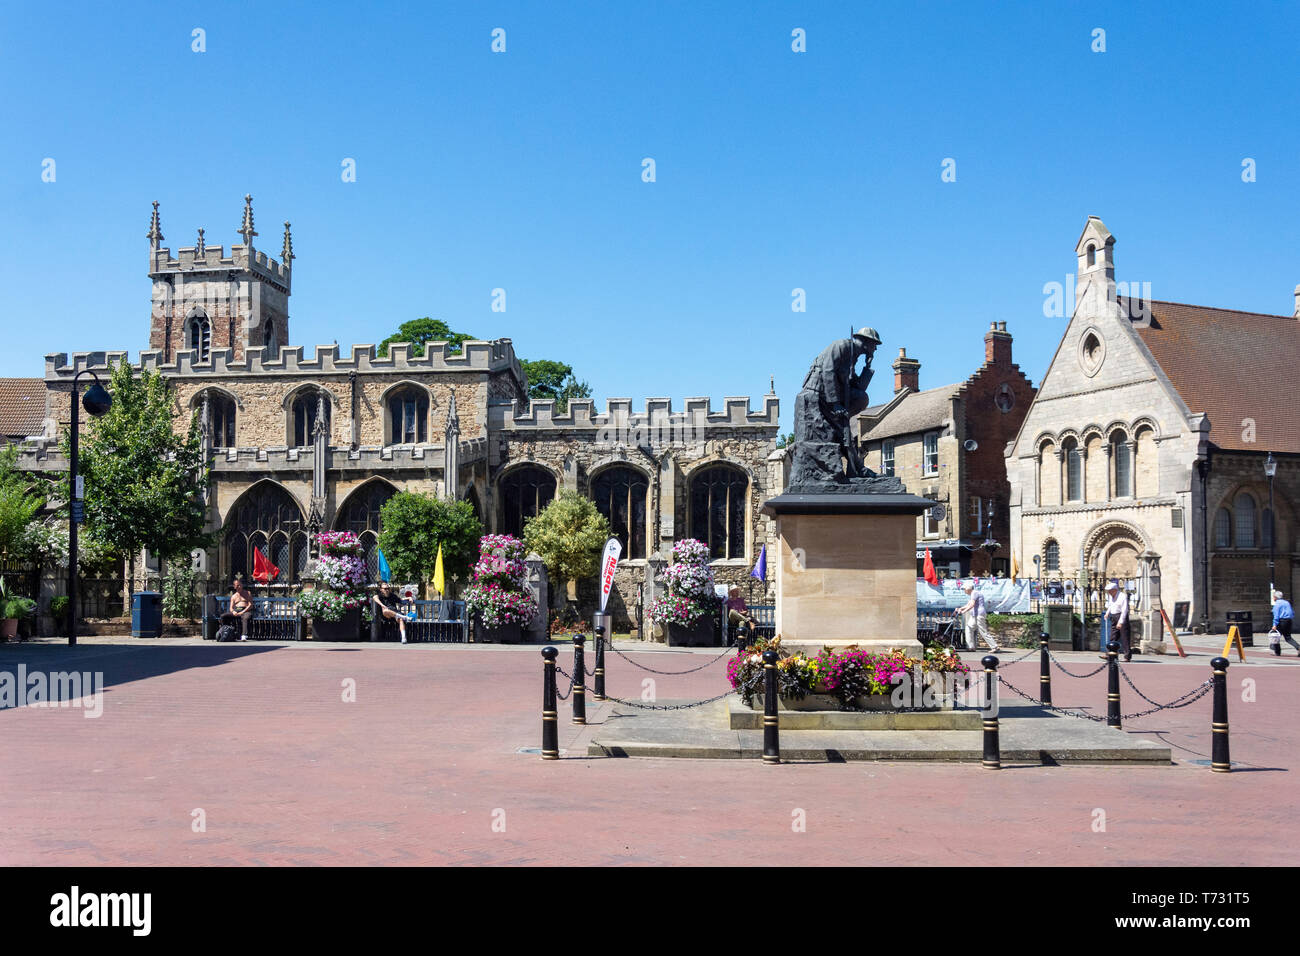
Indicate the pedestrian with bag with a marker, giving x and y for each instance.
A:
(976, 612)
(1283, 621)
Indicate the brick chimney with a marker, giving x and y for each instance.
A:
(907, 373)
(997, 344)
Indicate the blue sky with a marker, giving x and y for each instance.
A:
(775, 170)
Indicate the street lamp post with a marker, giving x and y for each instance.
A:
(1270, 469)
(97, 402)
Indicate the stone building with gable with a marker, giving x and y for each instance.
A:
(1144, 452)
(946, 444)
(303, 442)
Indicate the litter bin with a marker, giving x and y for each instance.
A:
(146, 614)
(1058, 622)
(602, 620)
(1245, 626)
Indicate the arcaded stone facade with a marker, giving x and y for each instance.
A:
(303, 442)
(1148, 439)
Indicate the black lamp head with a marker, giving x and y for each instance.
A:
(97, 401)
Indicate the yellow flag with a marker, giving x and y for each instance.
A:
(1015, 568)
(439, 579)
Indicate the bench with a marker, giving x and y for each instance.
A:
(274, 618)
(764, 614)
(437, 622)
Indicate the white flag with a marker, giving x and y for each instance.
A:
(608, 561)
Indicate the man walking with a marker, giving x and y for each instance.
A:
(976, 611)
(1117, 615)
(1283, 621)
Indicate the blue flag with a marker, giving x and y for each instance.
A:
(760, 569)
(384, 572)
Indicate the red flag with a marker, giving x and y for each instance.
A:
(931, 577)
(263, 570)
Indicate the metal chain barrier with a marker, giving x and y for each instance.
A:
(692, 670)
(644, 706)
(564, 673)
(1191, 697)
(1172, 704)
(1067, 673)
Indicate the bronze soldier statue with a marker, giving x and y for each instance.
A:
(826, 457)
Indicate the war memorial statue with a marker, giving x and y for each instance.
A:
(826, 459)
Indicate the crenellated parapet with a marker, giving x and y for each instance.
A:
(215, 259)
(474, 356)
(656, 415)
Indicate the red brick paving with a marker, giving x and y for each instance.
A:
(412, 772)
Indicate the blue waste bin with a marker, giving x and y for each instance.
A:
(146, 614)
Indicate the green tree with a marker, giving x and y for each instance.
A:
(420, 331)
(785, 440)
(568, 534)
(548, 378)
(19, 503)
(144, 482)
(415, 524)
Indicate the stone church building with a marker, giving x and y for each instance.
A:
(1144, 451)
(302, 442)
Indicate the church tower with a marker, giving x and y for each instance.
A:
(207, 299)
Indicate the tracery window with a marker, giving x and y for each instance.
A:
(717, 517)
(525, 491)
(620, 495)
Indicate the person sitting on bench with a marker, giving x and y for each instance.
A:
(241, 608)
(387, 606)
(738, 615)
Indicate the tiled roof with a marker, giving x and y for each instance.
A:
(1232, 366)
(916, 412)
(22, 406)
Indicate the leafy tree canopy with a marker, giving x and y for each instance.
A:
(19, 503)
(548, 378)
(420, 331)
(144, 482)
(568, 534)
(415, 524)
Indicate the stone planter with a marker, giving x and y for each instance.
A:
(9, 628)
(699, 634)
(505, 634)
(348, 628)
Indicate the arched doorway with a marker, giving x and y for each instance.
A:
(266, 518)
(360, 515)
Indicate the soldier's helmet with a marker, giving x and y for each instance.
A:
(868, 333)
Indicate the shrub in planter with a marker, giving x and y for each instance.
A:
(796, 675)
(14, 609)
(340, 590)
(498, 594)
(59, 606)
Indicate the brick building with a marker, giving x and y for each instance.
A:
(1145, 447)
(301, 443)
(947, 444)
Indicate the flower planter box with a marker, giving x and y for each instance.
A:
(699, 634)
(348, 628)
(505, 634)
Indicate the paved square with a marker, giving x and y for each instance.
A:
(421, 765)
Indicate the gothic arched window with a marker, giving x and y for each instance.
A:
(198, 336)
(360, 515)
(524, 492)
(302, 417)
(221, 419)
(266, 518)
(717, 514)
(269, 342)
(1222, 529)
(1244, 515)
(408, 416)
(1051, 556)
(620, 495)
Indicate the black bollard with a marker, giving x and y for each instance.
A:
(1220, 762)
(550, 732)
(1112, 684)
(992, 752)
(579, 678)
(1044, 671)
(771, 740)
(600, 663)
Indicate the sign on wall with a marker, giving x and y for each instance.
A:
(1001, 595)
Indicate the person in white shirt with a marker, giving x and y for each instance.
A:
(1117, 614)
(976, 618)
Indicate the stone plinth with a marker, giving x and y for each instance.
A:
(846, 570)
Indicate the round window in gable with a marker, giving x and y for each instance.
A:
(1092, 351)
